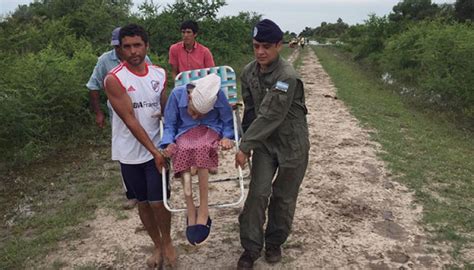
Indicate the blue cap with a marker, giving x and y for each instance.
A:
(267, 31)
(115, 41)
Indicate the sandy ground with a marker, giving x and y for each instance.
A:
(350, 214)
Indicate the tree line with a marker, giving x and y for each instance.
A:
(49, 49)
(426, 48)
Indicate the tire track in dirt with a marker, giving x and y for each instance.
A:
(350, 214)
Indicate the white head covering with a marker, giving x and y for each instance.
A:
(204, 95)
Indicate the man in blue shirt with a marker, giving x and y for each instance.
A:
(106, 62)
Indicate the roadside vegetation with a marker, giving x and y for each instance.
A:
(423, 149)
(423, 48)
(286, 52)
(298, 62)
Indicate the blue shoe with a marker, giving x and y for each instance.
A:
(190, 232)
(198, 233)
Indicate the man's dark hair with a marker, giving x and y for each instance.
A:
(132, 30)
(190, 25)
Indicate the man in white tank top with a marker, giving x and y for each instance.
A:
(135, 90)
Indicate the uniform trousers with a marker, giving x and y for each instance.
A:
(278, 193)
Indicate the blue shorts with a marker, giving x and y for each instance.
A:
(145, 181)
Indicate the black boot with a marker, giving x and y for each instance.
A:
(272, 254)
(247, 259)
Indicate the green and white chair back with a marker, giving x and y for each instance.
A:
(228, 80)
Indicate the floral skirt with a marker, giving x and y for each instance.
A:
(196, 147)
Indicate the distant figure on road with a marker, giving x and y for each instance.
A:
(136, 91)
(188, 54)
(302, 42)
(293, 43)
(276, 137)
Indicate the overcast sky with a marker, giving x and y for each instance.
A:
(291, 15)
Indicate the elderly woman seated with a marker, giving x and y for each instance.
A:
(198, 119)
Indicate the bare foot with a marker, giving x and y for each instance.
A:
(129, 204)
(202, 216)
(213, 171)
(140, 228)
(155, 260)
(170, 256)
(192, 216)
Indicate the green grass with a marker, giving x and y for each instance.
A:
(60, 193)
(424, 150)
(299, 59)
(286, 51)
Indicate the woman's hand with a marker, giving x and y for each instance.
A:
(226, 144)
(169, 150)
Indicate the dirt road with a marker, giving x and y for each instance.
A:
(350, 214)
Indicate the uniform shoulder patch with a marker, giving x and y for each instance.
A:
(282, 86)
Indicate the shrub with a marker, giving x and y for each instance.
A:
(44, 100)
(368, 40)
(221, 39)
(438, 60)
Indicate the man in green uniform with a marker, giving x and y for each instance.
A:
(276, 132)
